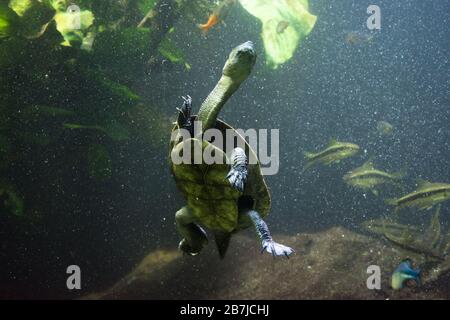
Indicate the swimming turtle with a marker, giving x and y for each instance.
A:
(224, 196)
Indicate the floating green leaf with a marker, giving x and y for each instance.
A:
(72, 26)
(36, 19)
(285, 24)
(121, 90)
(9, 21)
(58, 5)
(20, 6)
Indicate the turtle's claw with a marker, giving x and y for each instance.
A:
(187, 99)
(276, 249)
(187, 106)
(184, 114)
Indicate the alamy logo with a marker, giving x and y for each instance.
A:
(193, 151)
(374, 280)
(74, 12)
(74, 280)
(374, 21)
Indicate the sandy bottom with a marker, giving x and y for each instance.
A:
(327, 265)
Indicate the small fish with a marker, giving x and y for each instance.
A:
(333, 153)
(219, 14)
(428, 242)
(367, 177)
(281, 26)
(384, 128)
(212, 21)
(403, 273)
(425, 197)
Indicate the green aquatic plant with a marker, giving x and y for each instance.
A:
(54, 97)
(20, 6)
(172, 53)
(74, 26)
(114, 130)
(12, 202)
(35, 20)
(24, 19)
(99, 162)
(285, 23)
(9, 21)
(145, 6)
(46, 111)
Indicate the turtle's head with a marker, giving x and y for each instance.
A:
(240, 62)
(237, 68)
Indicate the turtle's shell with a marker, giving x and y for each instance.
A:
(207, 191)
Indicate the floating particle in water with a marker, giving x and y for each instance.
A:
(384, 128)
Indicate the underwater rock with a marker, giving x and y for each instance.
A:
(145, 273)
(328, 265)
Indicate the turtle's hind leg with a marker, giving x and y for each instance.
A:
(194, 237)
(272, 247)
(238, 172)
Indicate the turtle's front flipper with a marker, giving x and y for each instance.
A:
(194, 237)
(268, 244)
(184, 115)
(238, 172)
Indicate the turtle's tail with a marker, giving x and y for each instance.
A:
(222, 242)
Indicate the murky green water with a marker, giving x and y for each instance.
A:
(88, 98)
